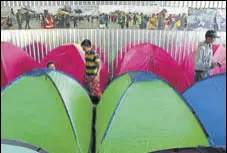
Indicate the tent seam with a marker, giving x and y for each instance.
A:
(63, 102)
(115, 110)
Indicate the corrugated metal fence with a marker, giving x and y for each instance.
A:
(110, 40)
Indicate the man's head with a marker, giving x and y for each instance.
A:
(211, 36)
(50, 65)
(86, 45)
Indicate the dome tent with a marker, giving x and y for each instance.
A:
(151, 58)
(14, 62)
(10, 146)
(69, 59)
(47, 109)
(134, 116)
(208, 99)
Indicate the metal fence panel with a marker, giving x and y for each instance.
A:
(110, 41)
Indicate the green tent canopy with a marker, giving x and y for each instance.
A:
(47, 109)
(12, 146)
(141, 113)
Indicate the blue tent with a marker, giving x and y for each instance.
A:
(208, 99)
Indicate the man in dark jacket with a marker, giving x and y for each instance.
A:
(27, 19)
(19, 19)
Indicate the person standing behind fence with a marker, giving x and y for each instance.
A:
(27, 20)
(203, 58)
(92, 71)
(152, 22)
(19, 19)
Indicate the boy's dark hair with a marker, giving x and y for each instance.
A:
(86, 43)
(49, 63)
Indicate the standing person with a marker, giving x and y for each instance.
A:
(19, 19)
(140, 20)
(67, 21)
(203, 58)
(106, 17)
(49, 22)
(135, 18)
(122, 20)
(74, 21)
(184, 21)
(161, 19)
(152, 22)
(92, 74)
(127, 20)
(42, 23)
(12, 12)
(93, 68)
(27, 19)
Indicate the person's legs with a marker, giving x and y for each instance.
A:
(200, 75)
(93, 146)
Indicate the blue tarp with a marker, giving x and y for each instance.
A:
(208, 99)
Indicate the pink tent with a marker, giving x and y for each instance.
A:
(216, 46)
(14, 62)
(37, 50)
(120, 56)
(68, 59)
(188, 67)
(220, 56)
(148, 57)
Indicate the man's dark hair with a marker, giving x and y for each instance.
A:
(49, 63)
(86, 43)
(212, 34)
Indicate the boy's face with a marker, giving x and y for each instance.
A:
(85, 48)
(51, 66)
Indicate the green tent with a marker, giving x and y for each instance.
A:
(141, 113)
(47, 109)
(12, 146)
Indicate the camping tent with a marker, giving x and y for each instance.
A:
(188, 67)
(139, 112)
(208, 99)
(69, 59)
(47, 109)
(216, 46)
(11, 146)
(149, 57)
(198, 149)
(14, 62)
(37, 50)
(220, 56)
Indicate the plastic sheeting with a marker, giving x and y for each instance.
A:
(208, 99)
(14, 62)
(149, 57)
(70, 60)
